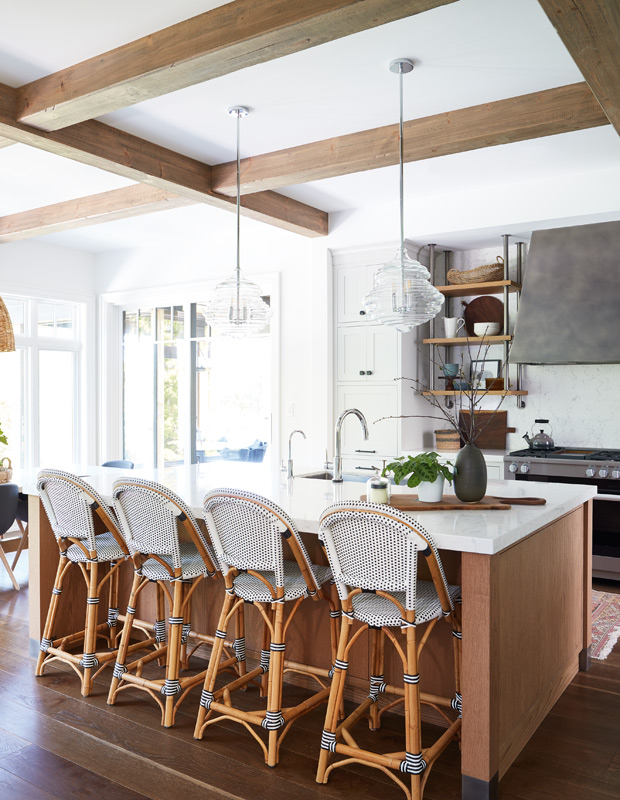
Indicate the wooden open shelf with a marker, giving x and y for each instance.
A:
(452, 392)
(475, 340)
(490, 287)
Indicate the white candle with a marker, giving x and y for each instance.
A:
(378, 495)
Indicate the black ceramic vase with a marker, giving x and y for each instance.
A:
(470, 474)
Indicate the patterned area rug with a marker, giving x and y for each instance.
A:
(605, 623)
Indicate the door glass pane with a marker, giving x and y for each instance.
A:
(233, 398)
(57, 383)
(169, 374)
(164, 324)
(12, 406)
(138, 390)
(46, 319)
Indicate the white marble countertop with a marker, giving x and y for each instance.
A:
(304, 499)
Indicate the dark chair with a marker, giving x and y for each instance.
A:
(257, 451)
(119, 464)
(10, 507)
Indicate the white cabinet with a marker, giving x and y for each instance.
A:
(367, 353)
(375, 402)
(352, 286)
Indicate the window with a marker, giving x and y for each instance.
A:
(190, 395)
(42, 396)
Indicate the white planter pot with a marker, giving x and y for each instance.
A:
(431, 492)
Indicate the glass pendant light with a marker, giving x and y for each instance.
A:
(236, 307)
(402, 295)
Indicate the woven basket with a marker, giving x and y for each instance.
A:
(6, 473)
(7, 340)
(447, 439)
(488, 272)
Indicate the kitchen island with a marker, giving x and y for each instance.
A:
(526, 597)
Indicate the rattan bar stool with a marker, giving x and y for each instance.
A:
(249, 533)
(373, 551)
(153, 521)
(75, 512)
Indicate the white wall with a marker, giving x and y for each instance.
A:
(46, 268)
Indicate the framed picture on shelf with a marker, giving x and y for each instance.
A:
(481, 369)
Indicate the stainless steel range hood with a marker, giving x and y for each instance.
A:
(569, 311)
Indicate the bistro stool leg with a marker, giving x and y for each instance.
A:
(121, 657)
(89, 660)
(377, 647)
(273, 720)
(175, 631)
(46, 641)
(113, 632)
(335, 702)
(216, 656)
(265, 654)
(161, 636)
(239, 643)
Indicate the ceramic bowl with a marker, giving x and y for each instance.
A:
(486, 328)
(460, 385)
(450, 370)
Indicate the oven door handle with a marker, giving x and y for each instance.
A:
(615, 498)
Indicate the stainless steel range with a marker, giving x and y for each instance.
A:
(600, 468)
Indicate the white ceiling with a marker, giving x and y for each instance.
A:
(466, 53)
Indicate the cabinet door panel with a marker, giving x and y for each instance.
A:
(374, 402)
(351, 290)
(352, 353)
(382, 353)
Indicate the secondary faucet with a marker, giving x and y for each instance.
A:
(289, 472)
(337, 440)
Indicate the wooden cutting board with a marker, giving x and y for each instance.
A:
(483, 309)
(495, 424)
(411, 502)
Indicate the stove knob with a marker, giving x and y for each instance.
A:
(524, 468)
(513, 467)
(590, 472)
(603, 472)
(615, 473)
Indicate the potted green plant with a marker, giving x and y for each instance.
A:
(425, 472)
(3, 439)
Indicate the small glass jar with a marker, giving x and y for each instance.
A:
(378, 489)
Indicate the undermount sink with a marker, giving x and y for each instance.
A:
(319, 476)
(324, 475)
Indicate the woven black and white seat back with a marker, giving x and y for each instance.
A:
(69, 504)
(148, 514)
(374, 547)
(247, 531)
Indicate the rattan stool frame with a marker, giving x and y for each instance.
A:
(337, 738)
(216, 704)
(171, 646)
(76, 529)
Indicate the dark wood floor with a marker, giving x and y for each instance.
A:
(56, 744)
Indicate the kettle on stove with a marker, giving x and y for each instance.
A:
(540, 440)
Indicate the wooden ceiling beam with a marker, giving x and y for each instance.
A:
(226, 39)
(567, 108)
(130, 201)
(5, 142)
(590, 30)
(113, 150)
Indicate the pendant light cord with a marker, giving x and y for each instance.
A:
(239, 213)
(402, 182)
